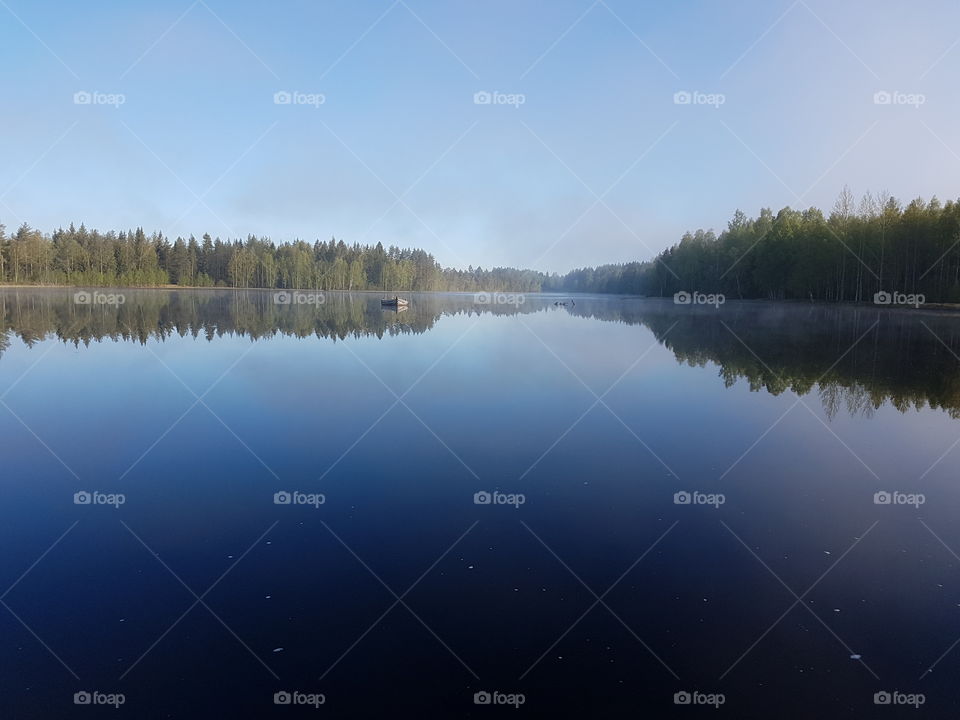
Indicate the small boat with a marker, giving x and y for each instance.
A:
(394, 302)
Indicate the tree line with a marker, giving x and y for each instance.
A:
(859, 249)
(78, 256)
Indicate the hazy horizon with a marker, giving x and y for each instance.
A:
(169, 118)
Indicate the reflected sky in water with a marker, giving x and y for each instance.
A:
(598, 413)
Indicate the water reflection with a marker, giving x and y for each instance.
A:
(854, 358)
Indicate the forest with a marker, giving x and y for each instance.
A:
(859, 249)
(862, 247)
(78, 256)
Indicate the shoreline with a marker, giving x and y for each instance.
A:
(934, 307)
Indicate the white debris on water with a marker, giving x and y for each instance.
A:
(855, 656)
(278, 649)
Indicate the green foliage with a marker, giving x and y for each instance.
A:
(90, 258)
(847, 257)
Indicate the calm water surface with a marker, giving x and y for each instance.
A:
(601, 595)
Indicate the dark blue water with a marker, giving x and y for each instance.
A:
(598, 596)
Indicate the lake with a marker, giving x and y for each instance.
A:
(215, 502)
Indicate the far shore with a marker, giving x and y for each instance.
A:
(933, 307)
(305, 289)
(247, 289)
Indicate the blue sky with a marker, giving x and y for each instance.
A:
(598, 164)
